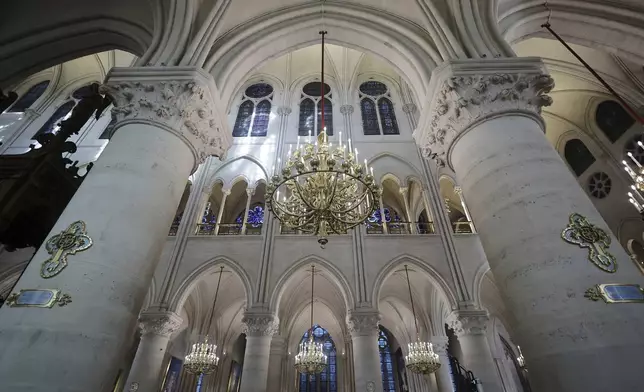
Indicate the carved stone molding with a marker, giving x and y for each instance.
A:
(410, 108)
(463, 93)
(346, 109)
(362, 323)
(159, 323)
(473, 322)
(440, 344)
(182, 100)
(260, 324)
(284, 110)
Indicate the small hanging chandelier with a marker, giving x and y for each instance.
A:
(203, 358)
(323, 188)
(421, 357)
(310, 358)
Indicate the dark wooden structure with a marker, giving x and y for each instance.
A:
(35, 187)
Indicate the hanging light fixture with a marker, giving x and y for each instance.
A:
(634, 169)
(421, 357)
(202, 358)
(322, 189)
(310, 358)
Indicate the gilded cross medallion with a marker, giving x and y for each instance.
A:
(73, 239)
(580, 232)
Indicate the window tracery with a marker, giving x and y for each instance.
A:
(578, 156)
(255, 216)
(327, 380)
(599, 185)
(64, 111)
(386, 362)
(311, 109)
(613, 120)
(377, 109)
(254, 111)
(29, 98)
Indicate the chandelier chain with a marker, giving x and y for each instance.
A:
(411, 299)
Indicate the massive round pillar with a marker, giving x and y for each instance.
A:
(156, 329)
(483, 119)
(165, 127)
(363, 326)
(259, 330)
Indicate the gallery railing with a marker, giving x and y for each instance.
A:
(464, 380)
(465, 227)
(401, 228)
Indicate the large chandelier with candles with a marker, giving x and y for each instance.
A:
(420, 357)
(322, 189)
(203, 358)
(310, 358)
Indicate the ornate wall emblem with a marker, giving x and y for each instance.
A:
(38, 298)
(74, 239)
(580, 232)
(371, 386)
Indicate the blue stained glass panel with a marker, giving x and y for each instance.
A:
(259, 90)
(327, 379)
(255, 216)
(369, 117)
(307, 121)
(244, 116)
(60, 113)
(386, 364)
(328, 117)
(261, 120)
(388, 117)
(82, 92)
(373, 88)
(28, 98)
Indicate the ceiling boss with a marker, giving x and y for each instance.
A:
(322, 189)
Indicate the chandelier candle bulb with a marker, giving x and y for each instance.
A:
(630, 155)
(639, 143)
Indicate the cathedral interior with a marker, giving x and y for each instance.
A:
(461, 199)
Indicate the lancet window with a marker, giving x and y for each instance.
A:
(27, 99)
(254, 111)
(386, 362)
(327, 381)
(311, 109)
(377, 109)
(62, 113)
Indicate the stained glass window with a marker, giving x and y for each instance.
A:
(31, 96)
(380, 120)
(369, 117)
(254, 112)
(82, 92)
(327, 381)
(108, 132)
(255, 216)
(244, 117)
(311, 109)
(52, 124)
(386, 363)
(578, 156)
(613, 120)
(388, 117)
(376, 217)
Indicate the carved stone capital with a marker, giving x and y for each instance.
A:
(159, 323)
(471, 322)
(363, 322)
(346, 109)
(181, 100)
(463, 93)
(458, 190)
(409, 108)
(260, 324)
(440, 344)
(284, 110)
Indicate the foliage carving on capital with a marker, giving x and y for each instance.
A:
(409, 108)
(440, 344)
(363, 323)
(260, 325)
(182, 106)
(461, 101)
(284, 110)
(159, 323)
(346, 109)
(469, 323)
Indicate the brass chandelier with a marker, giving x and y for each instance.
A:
(311, 358)
(420, 357)
(203, 358)
(322, 189)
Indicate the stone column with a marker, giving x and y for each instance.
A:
(459, 192)
(383, 222)
(259, 329)
(363, 326)
(249, 195)
(146, 371)
(404, 192)
(444, 373)
(276, 359)
(220, 213)
(470, 328)
(483, 120)
(166, 127)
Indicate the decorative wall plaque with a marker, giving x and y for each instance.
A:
(74, 239)
(614, 293)
(38, 298)
(580, 232)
